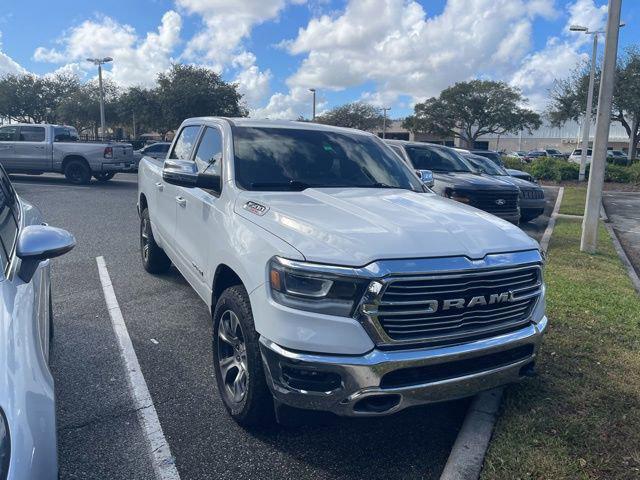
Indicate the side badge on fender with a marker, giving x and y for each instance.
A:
(255, 208)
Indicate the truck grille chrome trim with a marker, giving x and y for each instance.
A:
(449, 307)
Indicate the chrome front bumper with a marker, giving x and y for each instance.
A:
(384, 382)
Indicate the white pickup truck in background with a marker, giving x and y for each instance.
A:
(35, 149)
(336, 280)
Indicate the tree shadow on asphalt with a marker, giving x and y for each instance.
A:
(121, 181)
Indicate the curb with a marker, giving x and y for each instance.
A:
(467, 454)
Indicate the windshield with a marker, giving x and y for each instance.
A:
(553, 151)
(295, 159)
(485, 165)
(436, 159)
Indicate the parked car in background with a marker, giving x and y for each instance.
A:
(27, 397)
(455, 178)
(496, 157)
(520, 174)
(617, 157)
(520, 154)
(532, 200)
(545, 152)
(154, 150)
(37, 149)
(336, 281)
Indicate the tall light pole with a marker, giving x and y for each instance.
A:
(589, 240)
(313, 115)
(586, 125)
(99, 62)
(384, 121)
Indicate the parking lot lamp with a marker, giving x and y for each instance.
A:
(589, 240)
(313, 115)
(99, 62)
(384, 121)
(586, 126)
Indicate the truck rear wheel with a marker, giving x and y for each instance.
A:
(154, 260)
(104, 176)
(237, 361)
(77, 172)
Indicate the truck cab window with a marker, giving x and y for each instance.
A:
(8, 134)
(185, 143)
(209, 153)
(63, 134)
(32, 134)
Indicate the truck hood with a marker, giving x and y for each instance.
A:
(463, 180)
(357, 226)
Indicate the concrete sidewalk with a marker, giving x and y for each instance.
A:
(623, 210)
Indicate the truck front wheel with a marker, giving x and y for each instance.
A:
(237, 360)
(154, 260)
(77, 172)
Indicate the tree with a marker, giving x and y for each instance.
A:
(468, 110)
(360, 115)
(569, 97)
(191, 91)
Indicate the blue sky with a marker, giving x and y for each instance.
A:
(387, 52)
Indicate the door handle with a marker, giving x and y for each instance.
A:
(159, 186)
(181, 201)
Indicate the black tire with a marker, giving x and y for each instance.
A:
(154, 260)
(104, 176)
(77, 172)
(255, 406)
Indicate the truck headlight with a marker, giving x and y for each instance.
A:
(5, 446)
(302, 288)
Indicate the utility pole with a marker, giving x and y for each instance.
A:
(589, 238)
(99, 62)
(384, 121)
(313, 116)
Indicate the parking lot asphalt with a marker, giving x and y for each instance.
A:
(623, 209)
(99, 435)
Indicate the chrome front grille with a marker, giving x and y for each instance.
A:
(451, 306)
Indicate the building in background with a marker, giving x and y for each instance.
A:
(565, 138)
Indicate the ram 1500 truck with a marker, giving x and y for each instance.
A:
(35, 149)
(336, 280)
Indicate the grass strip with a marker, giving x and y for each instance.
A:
(573, 200)
(580, 417)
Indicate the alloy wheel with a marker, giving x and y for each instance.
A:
(232, 357)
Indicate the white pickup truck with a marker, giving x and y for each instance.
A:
(38, 148)
(336, 280)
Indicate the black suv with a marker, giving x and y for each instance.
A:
(455, 178)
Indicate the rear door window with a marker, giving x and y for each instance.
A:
(32, 134)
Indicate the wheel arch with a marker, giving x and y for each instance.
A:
(72, 157)
(224, 278)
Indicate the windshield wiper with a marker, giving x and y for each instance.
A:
(293, 185)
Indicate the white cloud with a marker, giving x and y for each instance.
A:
(292, 105)
(394, 45)
(7, 64)
(560, 55)
(252, 83)
(137, 61)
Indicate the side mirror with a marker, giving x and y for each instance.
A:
(185, 173)
(426, 176)
(40, 242)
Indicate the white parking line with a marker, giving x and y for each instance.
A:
(161, 458)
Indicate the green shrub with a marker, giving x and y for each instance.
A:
(545, 169)
(567, 170)
(634, 173)
(617, 173)
(516, 163)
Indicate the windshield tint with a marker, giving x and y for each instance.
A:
(295, 159)
(436, 159)
(485, 165)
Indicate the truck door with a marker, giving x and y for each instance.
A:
(163, 216)
(8, 139)
(199, 217)
(32, 151)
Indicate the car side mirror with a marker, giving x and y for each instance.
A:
(40, 242)
(426, 176)
(184, 173)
